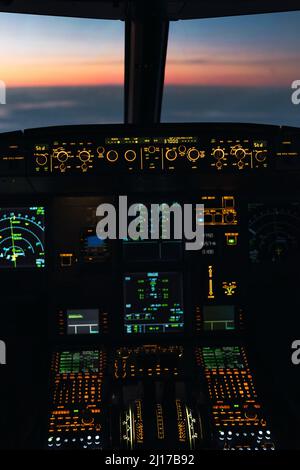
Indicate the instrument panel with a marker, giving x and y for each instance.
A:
(150, 341)
(166, 149)
(149, 154)
(274, 232)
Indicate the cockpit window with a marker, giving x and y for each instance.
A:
(236, 69)
(60, 71)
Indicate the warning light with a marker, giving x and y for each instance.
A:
(231, 239)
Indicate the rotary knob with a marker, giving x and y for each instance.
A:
(62, 156)
(112, 156)
(171, 155)
(229, 217)
(84, 155)
(100, 150)
(219, 154)
(260, 156)
(193, 154)
(240, 153)
(130, 155)
(41, 159)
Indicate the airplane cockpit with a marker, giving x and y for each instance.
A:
(149, 226)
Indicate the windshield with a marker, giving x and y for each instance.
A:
(236, 69)
(60, 71)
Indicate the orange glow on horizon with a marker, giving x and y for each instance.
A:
(238, 75)
(54, 74)
(71, 73)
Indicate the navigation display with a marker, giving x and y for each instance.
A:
(22, 237)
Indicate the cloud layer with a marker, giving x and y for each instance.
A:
(38, 107)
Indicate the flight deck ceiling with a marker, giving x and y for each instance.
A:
(126, 9)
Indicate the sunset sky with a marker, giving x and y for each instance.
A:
(258, 50)
(47, 51)
(71, 71)
(255, 50)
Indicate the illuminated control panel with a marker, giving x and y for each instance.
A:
(142, 420)
(240, 154)
(148, 361)
(237, 416)
(127, 154)
(153, 303)
(221, 221)
(12, 155)
(193, 151)
(288, 150)
(76, 415)
(218, 211)
(165, 149)
(22, 237)
(92, 248)
(132, 426)
(81, 321)
(157, 411)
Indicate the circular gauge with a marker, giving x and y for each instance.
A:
(22, 237)
(274, 232)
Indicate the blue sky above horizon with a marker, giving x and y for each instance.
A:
(236, 69)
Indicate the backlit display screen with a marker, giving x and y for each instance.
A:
(82, 321)
(218, 317)
(22, 237)
(93, 249)
(153, 303)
